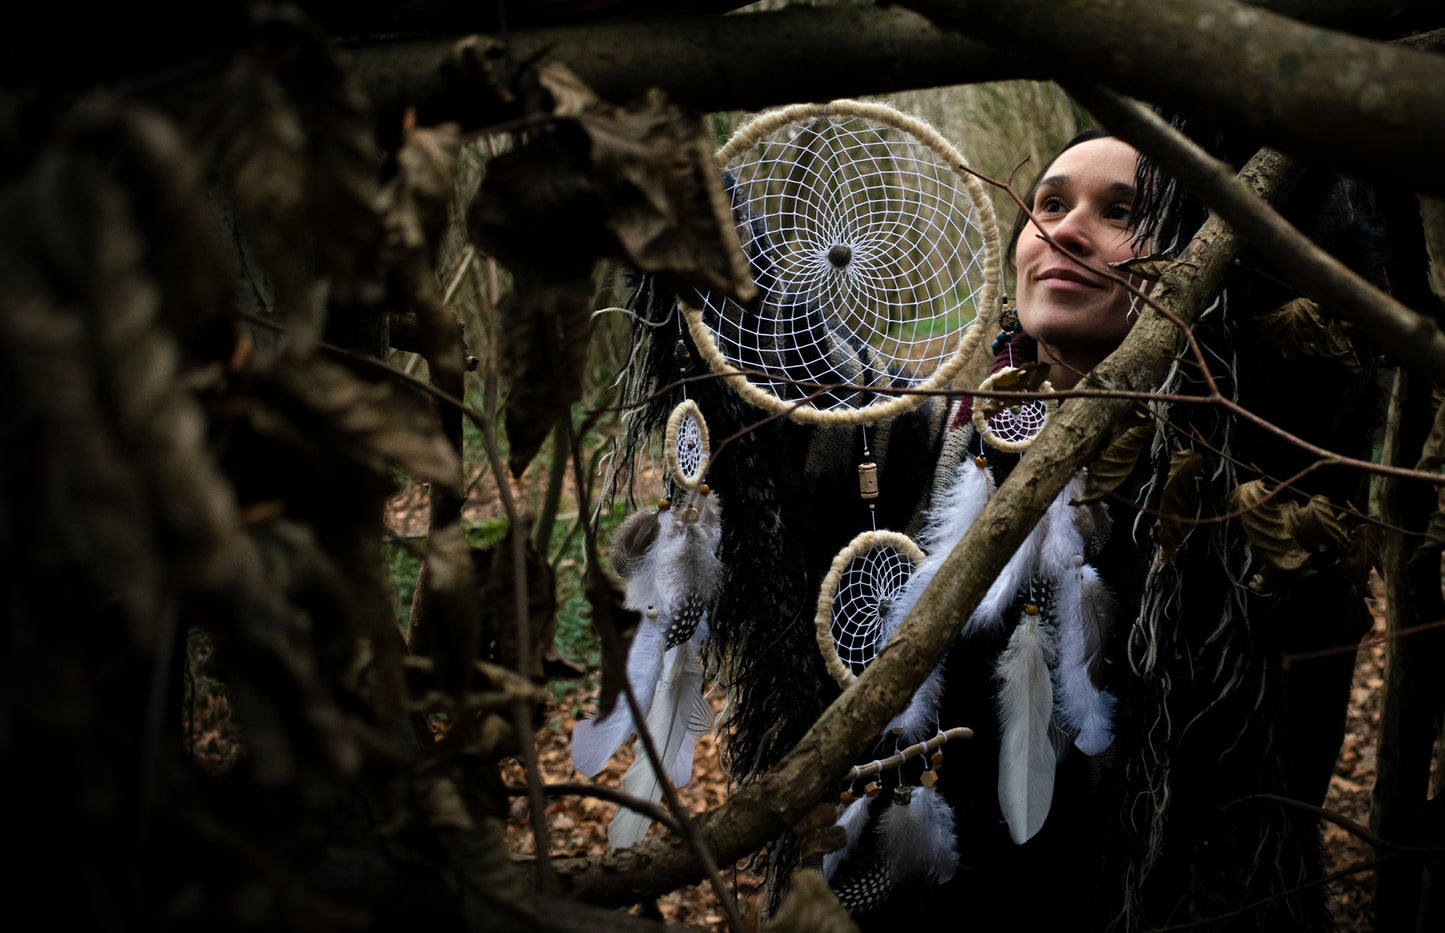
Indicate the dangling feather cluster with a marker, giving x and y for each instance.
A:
(1050, 675)
(669, 561)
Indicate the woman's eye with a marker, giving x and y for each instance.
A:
(1118, 212)
(1051, 205)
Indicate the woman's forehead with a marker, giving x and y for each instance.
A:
(1099, 162)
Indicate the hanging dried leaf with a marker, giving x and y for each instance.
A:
(1316, 526)
(324, 406)
(1178, 501)
(1029, 377)
(664, 195)
(1269, 526)
(1298, 326)
(1150, 267)
(446, 608)
(1116, 461)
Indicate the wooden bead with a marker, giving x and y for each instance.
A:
(664, 504)
(873, 789)
(868, 480)
(929, 778)
(846, 797)
(704, 488)
(1031, 609)
(937, 758)
(980, 461)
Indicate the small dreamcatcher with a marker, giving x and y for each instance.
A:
(686, 445)
(1011, 425)
(856, 596)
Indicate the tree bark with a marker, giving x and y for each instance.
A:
(1411, 698)
(1357, 105)
(711, 63)
(763, 809)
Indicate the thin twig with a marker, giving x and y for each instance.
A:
(1368, 643)
(602, 792)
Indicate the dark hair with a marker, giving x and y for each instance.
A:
(1021, 221)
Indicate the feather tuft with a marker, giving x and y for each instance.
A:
(853, 819)
(1084, 709)
(918, 839)
(1026, 707)
(678, 715)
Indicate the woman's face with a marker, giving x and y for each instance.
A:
(1083, 202)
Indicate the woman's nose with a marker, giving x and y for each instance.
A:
(1072, 232)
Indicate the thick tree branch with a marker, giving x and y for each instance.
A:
(1415, 338)
(1361, 106)
(779, 798)
(744, 62)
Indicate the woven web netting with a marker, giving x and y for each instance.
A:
(690, 450)
(872, 255)
(860, 603)
(1020, 424)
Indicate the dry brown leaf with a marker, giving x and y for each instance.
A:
(615, 625)
(1116, 461)
(1180, 499)
(1029, 377)
(1269, 526)
(325, 406)
(1298, 326)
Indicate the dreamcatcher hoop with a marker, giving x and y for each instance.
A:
(868, 549)
(893, 255)
(1017, 425)
(686, 445)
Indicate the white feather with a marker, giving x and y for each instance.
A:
(678, 715)
(853, 819)
(990, 612)
(595, 741)
(1083, 708)
(681, 562)
(1026, 705)
(918, 840)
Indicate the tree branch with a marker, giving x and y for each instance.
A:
(763, 809)
(1361, 106)
(744, 62)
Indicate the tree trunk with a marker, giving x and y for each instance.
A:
(1410, 697)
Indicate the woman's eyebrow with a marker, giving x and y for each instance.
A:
(1122, 189)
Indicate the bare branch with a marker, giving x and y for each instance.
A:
(1362, 106)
